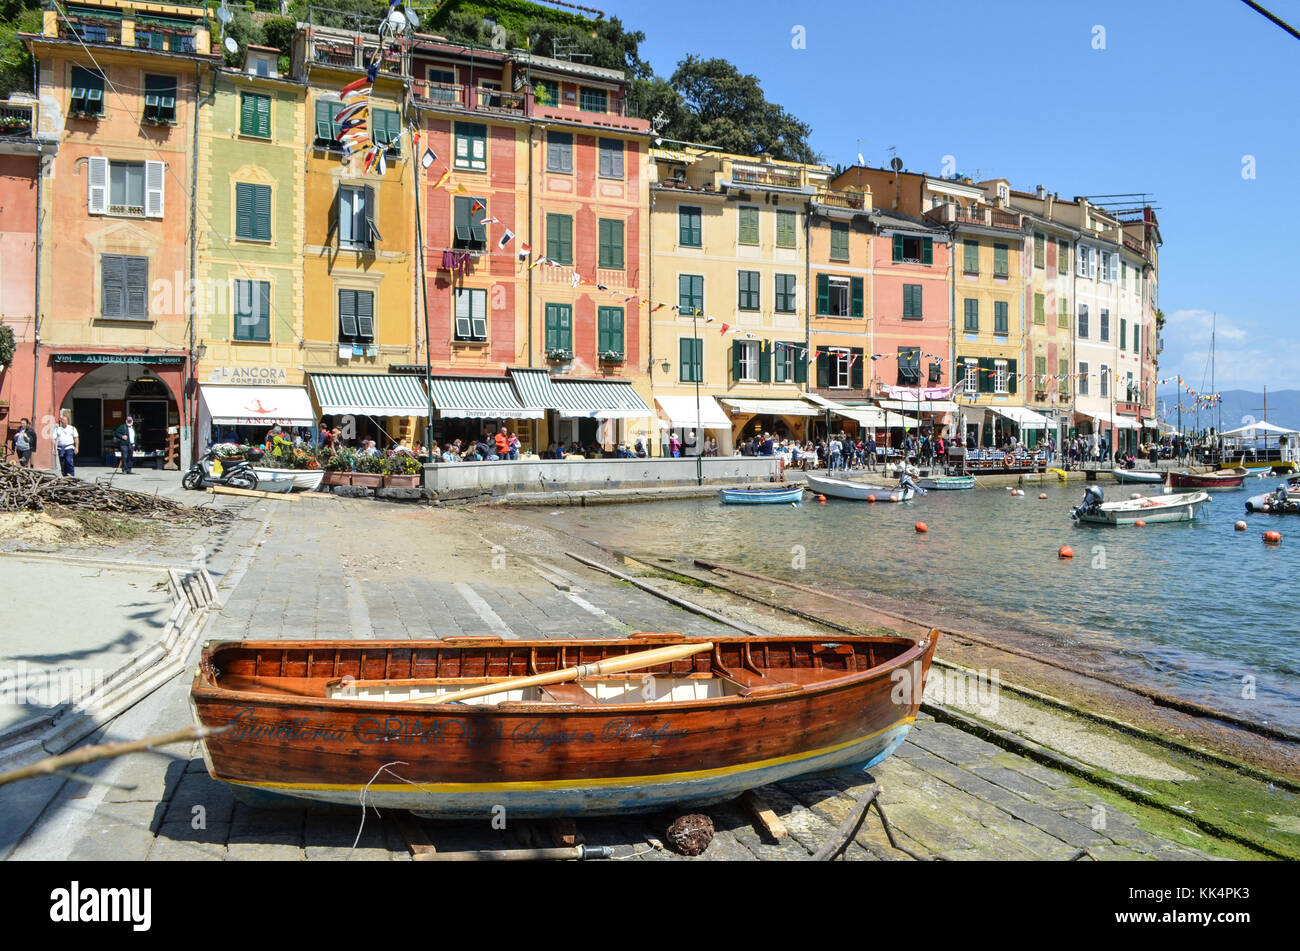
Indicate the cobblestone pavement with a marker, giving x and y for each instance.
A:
(342, 568)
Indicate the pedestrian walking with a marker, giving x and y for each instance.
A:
(67, 443)
(124, 436)
(24, 443)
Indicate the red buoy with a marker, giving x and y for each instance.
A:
(871, 498)
(1065, 551)
(821, 499)
(921, 527)
(1140, 524)
(1272, 538)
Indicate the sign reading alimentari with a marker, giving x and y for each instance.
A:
(147, 358)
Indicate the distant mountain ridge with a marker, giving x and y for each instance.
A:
(1283, 408)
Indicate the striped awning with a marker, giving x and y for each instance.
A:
(468, 397)
(534, 387)
(370, 394)
(599, 399)
(772, 407)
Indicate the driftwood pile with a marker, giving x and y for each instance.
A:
(34, 490)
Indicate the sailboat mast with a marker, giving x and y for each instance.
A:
(1214, 326)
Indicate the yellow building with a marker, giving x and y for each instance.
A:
(729, 292)
(360, 319)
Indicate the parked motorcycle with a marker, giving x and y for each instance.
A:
(211, 470)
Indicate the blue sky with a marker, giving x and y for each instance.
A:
(1176, 102)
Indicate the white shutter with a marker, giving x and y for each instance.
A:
(153, 189)
(97, 202)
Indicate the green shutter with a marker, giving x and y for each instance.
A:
(324, 120)
(1040, 314)
(264, 116)
(602, 330)
(248, 115)
(1000, 266)
(779, 351)
(748, 225)
(855, 371)
(735, 360)
(347, 313)
(243, 210)
(958, 374)
(685, 365)
(552, 328)
(1123, 334)
(823, 369)
(262, 212)
(800, 364)
(927, 250)
(1011, 376)
(985, 384)
(855, 297)
(764, 361)
(971, 257)
(823, 294)
(898, 247)
(785, 229)
(1063, 314)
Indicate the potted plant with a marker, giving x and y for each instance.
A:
(369, 470)
(403, 470)
(559, 354)
(612, 356)
(338, 465)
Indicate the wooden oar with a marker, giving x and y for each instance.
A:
(615, 665)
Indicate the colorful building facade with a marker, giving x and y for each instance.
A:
(20, 160)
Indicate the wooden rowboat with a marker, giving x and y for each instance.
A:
(1138, 476)
(858, 491)
(1151, 508)
(948, 483)
(305, 480)
(320, 720)
(771, 496)
(1224, 479)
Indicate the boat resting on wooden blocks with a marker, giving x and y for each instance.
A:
(319, 720)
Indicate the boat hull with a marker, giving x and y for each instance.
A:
(1152, 510)
(948, 483)
(760, 496)
(557, 759)
(1138, 477)
(858, 491)
(1187, 482)
(306, 480)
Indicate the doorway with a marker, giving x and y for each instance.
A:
(88, 418)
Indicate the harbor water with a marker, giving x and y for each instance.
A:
(1194, 609)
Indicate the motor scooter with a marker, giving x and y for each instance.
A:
(211, 470)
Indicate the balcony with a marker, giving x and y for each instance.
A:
(618, 113)
(989, 218)
(16, 120)
(777, 177)
(91, 29)
(469, 98)
(336, 54)
(841, 199)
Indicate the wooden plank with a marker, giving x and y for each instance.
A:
(565, 832)
(765, 815)
(231, 490)
(417, 843)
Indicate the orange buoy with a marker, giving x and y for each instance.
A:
(1065, 551)
(821, 500)
(922, 527)
(1240, 526)
(1272, 538)
(871, 498)
(1140, 524)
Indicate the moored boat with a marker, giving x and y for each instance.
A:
(1273, 502)
(324, 720)
(764, 496)
(948, 483)
(1149, 509)
(306, 480)
(1138, 476)
(1223, 479)
(858, 491)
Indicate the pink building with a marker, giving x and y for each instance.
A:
(19, 158)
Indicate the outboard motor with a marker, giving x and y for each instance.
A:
(905, 482)
(1092, 499)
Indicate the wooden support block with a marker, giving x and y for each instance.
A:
(417, 843)
(231, 490)
(764, 815)
(565, 832)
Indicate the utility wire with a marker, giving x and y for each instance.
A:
(1280, 22)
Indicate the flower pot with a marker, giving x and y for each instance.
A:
(401, 481)
(374, 480)
(336, 477)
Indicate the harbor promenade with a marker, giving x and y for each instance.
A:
(1015, 779)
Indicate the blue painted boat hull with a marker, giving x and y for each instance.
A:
(760, 496)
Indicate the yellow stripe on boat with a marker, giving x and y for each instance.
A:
(577, 783)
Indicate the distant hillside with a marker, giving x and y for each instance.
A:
(1283, 408)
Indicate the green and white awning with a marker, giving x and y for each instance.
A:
(599, 399)
(534, 388)
(477, 397)
(370, 394)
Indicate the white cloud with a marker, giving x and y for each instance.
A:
(1246, 357)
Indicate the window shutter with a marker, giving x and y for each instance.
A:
(855, 371)
(262, 212)
(898, 247)
(985, 367)
(616, 330)
(959, 374)
(264, 116)
(927, 250)
(606, 162)
(247, 115)
(735, 360)
(112, 281)
(463, 320)
(348, 313)
(153, 189)
(478, 314)
(566, 326)
(1123, 334)
(823, 369)
(823, 294)
(137, 285)
(366, 314)
(371, 234)
(243, 210)
(263, 327)
(617, 236)
(97, 200)
(324, 120)
(764, 361)
(855, 296)
(1011, 376)
(602, 329)
(800, 365)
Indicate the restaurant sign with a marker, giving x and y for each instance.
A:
(252, 375)
(155, 359)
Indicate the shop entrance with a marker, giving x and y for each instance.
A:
(88, 417)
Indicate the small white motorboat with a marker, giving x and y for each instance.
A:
(1183, 507)
(1138, 476)
(858, 491)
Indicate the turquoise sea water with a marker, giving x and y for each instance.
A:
(1195, 609)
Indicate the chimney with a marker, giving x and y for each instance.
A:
(1042, 192)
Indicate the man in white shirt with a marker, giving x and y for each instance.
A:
(67, 443)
